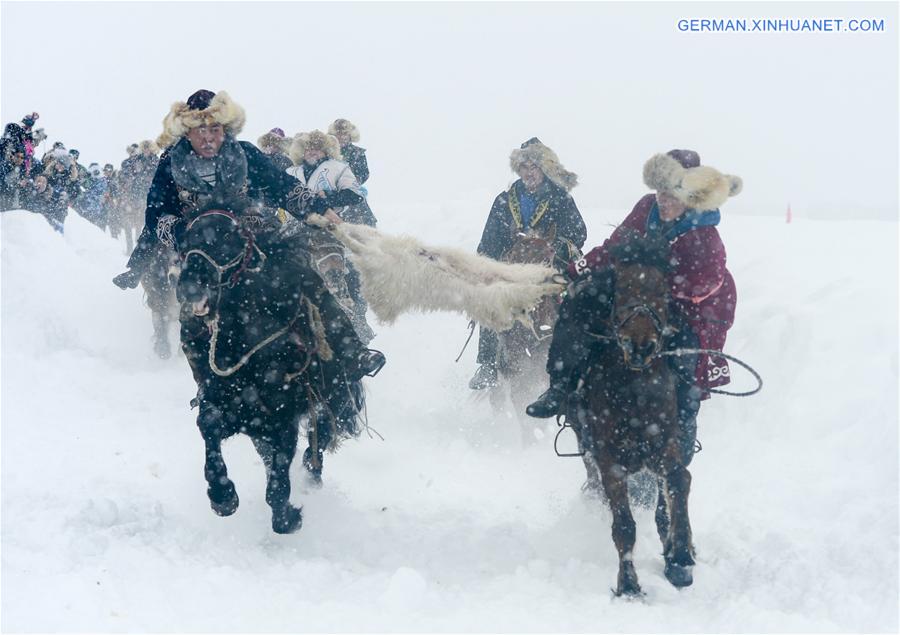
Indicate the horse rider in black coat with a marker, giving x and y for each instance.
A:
(204, 167)
(538, 200)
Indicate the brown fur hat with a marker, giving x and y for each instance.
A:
(315, 139)
(274, 141)
(699, 187)
(533, 151)
(202, 108)
(344, 125)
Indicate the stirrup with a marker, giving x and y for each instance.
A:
(372, 356)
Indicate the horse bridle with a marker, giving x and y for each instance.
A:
(659, 324)
(241, 259)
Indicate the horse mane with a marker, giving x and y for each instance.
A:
(651, 250)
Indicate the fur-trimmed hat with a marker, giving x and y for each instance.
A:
(533, 151)
(204, 107)
(700, 187)
(58, 155)
(274, 140)
(344, 125)
(148, 146)
(315, 139)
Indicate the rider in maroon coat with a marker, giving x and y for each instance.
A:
(684, 210)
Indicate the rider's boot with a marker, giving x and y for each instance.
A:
(485, 377)
(569, 351)
(139, 261)
(357, 360)
(550, 403)
(128, 280)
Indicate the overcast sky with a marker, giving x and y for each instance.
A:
(443, 92)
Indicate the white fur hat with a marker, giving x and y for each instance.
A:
(275, 140)
(202, 108)
(315, 139)
(699, 187)
(533, 151)
(344, 125)
(148, 146)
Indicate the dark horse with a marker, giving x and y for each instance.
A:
(627, 415)
(522, 351)
(254, 340)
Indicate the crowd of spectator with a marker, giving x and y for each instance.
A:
(54, 182)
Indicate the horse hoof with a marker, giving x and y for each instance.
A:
(162, 350)
(627, 583)
(629, 593)
(287, 521)
(314, 472)
(225, 507)
(679, 575)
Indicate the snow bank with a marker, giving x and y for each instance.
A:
(448, 524)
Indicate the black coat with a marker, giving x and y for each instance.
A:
(355, 157)
(265, 183)
(555, 207)
(281, 160)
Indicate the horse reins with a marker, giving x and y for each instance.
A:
(661, 327)
(242, 261)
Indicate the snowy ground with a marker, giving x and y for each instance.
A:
(449, 524)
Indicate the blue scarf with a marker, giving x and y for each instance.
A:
(527, 204)
(691, 219)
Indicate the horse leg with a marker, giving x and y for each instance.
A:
(266, 453)
(662, 512)
(615, 485)
(313, 456)
(161, 332)
(592, 485)
(223, 497)
(285, 517)
(678, 550)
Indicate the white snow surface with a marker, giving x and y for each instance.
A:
(449, 523)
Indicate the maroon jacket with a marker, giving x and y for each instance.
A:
(702, 287)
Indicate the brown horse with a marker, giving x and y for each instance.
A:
(522, 350)
(627, 416)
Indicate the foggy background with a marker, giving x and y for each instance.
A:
(442, 92)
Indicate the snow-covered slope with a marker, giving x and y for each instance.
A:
(448, 523)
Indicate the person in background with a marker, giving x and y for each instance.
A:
(354, 156)
(93, 208)
(275, 146)
(539, 200)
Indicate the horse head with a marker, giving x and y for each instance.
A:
(532, 247)
(216, 250)
(640, 313)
